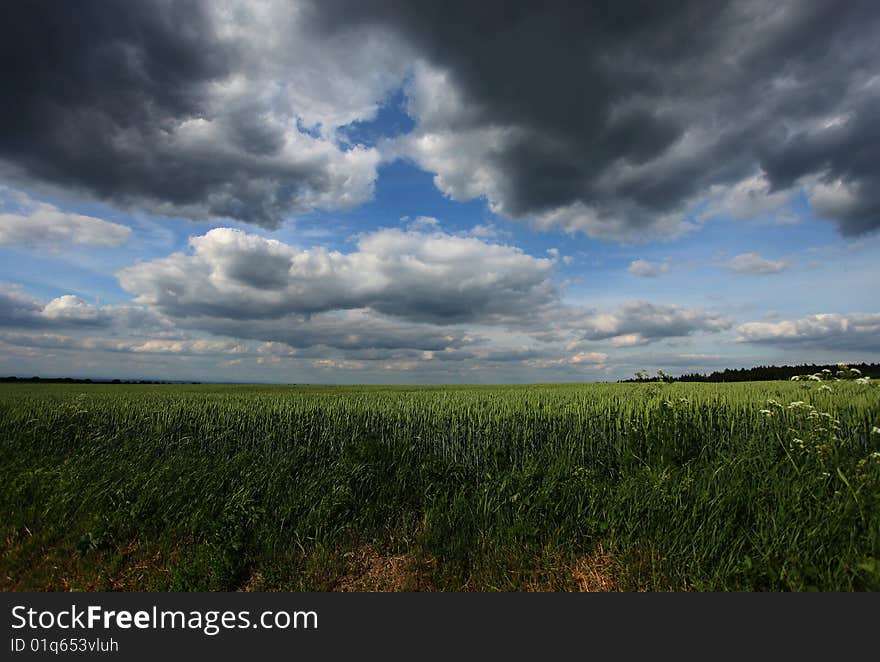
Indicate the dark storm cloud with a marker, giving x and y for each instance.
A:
(18, 310)
(622, 112)
(846, 155)
(607, 117)
(125, 101)
(132, 62)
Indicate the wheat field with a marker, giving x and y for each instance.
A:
(654, 486)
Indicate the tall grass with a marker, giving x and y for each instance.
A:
(684, 486)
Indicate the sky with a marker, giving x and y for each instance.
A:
(437, 192)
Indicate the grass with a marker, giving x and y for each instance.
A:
(552, 487)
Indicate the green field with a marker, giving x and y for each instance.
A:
(562, 487)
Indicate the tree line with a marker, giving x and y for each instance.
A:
(761, 373)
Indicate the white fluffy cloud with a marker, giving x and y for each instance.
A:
(832, 331)
(755, 263)
(409, 274)
(647, 269)
(417, 289)
(35, 223)
(69, 308)
(198, 346)
(68, 311)
(641, 322)
(752, 197)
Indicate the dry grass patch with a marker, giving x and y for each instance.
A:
(133, 569)
(594, 573)
(369, 571)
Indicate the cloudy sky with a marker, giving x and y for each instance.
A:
(397, 192)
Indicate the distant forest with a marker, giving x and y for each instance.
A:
(71, 380)
(761, 373)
